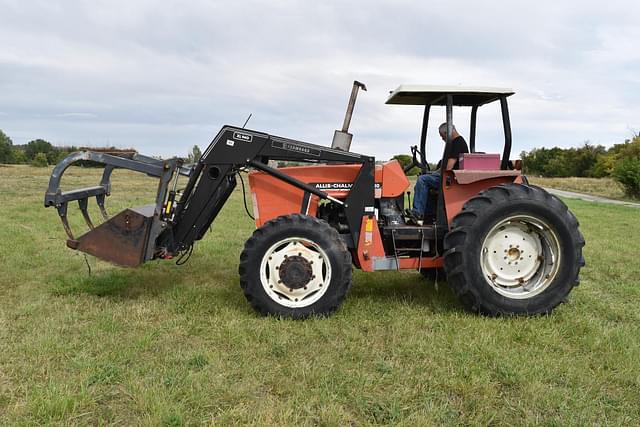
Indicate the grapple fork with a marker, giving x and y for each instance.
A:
(128, 238)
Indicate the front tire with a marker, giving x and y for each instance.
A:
(295, 266)
(513, 249)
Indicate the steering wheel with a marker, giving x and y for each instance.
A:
(424, 167)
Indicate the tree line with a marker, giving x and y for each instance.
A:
(37, 152)
(620, 162)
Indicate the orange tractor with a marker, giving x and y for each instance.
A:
(506, 247)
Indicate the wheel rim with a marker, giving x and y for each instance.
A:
(295, 272)
(520, 257)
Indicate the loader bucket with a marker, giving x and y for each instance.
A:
(129, 238)
(121, 240)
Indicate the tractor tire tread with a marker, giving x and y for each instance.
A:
(462, 229)
(275, 226)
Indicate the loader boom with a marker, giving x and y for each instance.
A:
(234, 149)
(169, 227)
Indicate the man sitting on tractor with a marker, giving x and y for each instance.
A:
(422, 208)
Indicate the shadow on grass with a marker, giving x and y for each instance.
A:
(117, 283)
(387, 291)
(404, 288)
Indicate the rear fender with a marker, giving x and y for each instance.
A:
(461, 185)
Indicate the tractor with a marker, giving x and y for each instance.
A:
(506, 247)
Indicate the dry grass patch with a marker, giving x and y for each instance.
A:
(603, 187)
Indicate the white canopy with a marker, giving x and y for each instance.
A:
(437, 95)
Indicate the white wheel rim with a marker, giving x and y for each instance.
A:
(520, 257)
(306, 262)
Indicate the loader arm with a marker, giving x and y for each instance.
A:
(234, 148)
(169, 226)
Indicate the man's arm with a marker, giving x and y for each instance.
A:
(451, 163)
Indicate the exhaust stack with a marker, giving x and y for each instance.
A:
(342, 138)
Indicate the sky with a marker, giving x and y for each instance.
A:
(162, 76)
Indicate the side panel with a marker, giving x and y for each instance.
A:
(394, 180)
(273, 197)
(340, 175)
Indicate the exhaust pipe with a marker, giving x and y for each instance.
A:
(342, 138)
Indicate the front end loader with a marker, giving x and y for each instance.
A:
(506, 247)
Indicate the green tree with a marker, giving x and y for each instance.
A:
(557, 166)
(40, 160)
(40, 146)
(625, 161)
(627, 173)
(630, 148)
(606, 163)
(194, 155)
(536, 161)
(19, 157)
(604, 166)
(6, 146)
(561, 162)
(585, 159)
(405, 160)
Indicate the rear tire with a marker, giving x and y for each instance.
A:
(513, 249)
(295, 266)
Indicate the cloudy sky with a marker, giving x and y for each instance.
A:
(161, 76)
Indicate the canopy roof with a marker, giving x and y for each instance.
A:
(436, 95)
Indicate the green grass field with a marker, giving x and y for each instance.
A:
(179, 345)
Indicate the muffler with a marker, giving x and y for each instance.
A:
(342, 138)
